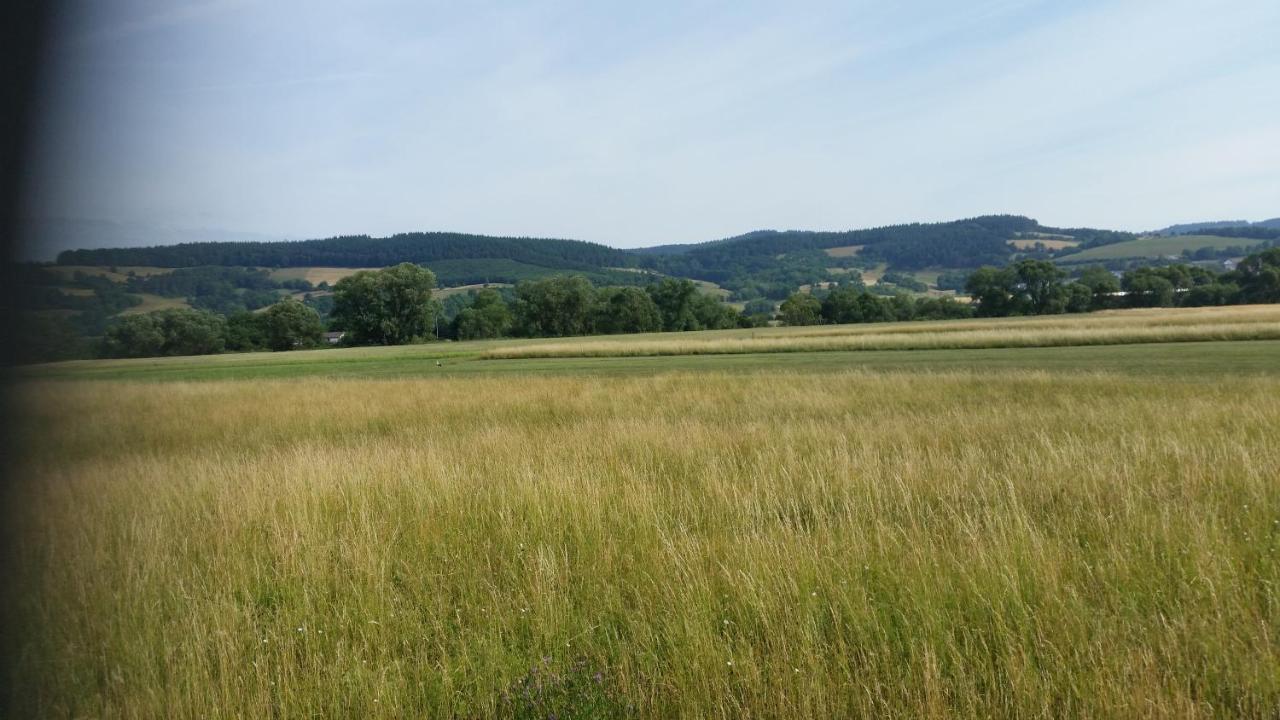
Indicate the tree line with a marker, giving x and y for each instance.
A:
(852, 303)
(1037, 287)
(360, 251)
(396, 305)
(571, 305)
(761, 264)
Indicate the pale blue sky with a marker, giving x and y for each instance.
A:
(643, 123)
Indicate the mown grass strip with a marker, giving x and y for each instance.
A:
(955, 340)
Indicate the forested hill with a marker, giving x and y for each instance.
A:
(769, 262)
(1213, 227)
(362, 251)
(760, 264)
(959, 243)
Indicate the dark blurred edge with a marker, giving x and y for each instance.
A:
(25, 26)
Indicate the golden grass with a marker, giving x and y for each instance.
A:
(841, 545)
(459, 289)
(151, 303)
(846, 251)
(315, 275)
(872, 276)
(1052, 244)
(709, 288)
(1261, 322)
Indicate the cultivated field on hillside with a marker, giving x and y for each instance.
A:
(315, 275)
(846, 251)
(117, 274)
(831, 544)
(1157, 246)
(151, 303)
(1048, 242)
(461, 289)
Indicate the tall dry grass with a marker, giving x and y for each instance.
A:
(904, 337)
(713, 546)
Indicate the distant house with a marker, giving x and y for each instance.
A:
(334, 338)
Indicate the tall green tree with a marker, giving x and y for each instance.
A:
(626, 310)
(1040, 287)
(801, 309)
(133, 336)
(392, 306)
(1103, 286)
(675, 301)
(555, 307)
(713, 314)
(291, 325)
(995, 291)
(1258, 277)
(166, 332)
(486, 317)
(1147, 288)
(245, 332)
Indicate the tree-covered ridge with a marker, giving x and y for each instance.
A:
(763, 242)
(362, 251)
(957, 244)
(763, 264)
(961, 243)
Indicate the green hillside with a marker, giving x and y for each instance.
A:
(1158, 246)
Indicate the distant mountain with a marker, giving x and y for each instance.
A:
(1207, 228)
(457, 258)
(773, 263)
(46, 237)
(762, 263)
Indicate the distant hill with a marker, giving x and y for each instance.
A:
(772, 263)
(1165, 246)
(50, 236)
(1206, 228)
(760, 264)
(457, 258)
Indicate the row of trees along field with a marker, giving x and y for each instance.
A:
(766, 264)
(395, 306)
(560, 307)
(1036, 287)
(286, 325)
(855, 304)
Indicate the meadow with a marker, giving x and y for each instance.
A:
(1087, 531)
(1157, 246)
(1258, 322)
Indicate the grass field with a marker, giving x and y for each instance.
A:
(846, 251)
(315, 275)
(873, 275)
(460, 289)
(1259, 322)
(1082, 531)
(1048, 242)
(1156, 246)
(119, 274)
(151, 303)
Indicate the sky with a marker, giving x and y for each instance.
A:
(646, 123)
